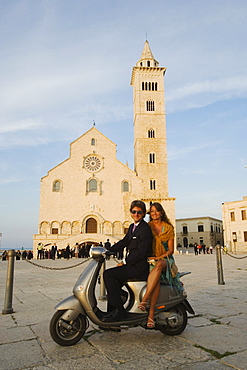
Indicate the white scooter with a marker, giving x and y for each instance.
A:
(70, 321)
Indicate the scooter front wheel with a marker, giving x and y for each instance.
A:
(67, 333)
(176, 323)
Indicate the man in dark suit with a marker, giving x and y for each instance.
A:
(107, 244)
(53, 251)
(138, 243)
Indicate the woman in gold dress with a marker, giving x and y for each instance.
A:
(162, 264)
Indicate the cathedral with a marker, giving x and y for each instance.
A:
(86, 198)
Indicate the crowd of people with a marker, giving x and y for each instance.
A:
(43, 252)
(77, 251)
(24, 254)
(202, 248)
(199, 248)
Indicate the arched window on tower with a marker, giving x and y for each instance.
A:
(152, 184)
(156, 86)
(151, 157)
(148, 64)
(92, 185)
(151, 134)
(125, 186)
(57, 186)
(93, 142)
(146, 85)
(143, 86)
(150, 105)
(91, 226)
(152, 86)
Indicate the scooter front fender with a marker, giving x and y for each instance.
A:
(72, 306)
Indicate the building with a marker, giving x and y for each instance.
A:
(200, 230)
(234, 216)
(86, 198)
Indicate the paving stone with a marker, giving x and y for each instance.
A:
(19, 355)
(238, 361)
(220, 338)
(209, 365)
(15, 334)
(239, 321)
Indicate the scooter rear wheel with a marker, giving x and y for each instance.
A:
(67, 333)
(176, 325)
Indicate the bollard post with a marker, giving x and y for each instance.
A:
(219, 265)
(9, 284)
(102, 296)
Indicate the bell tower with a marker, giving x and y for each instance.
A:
(150, 153)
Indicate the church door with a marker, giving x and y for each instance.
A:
(91, 226)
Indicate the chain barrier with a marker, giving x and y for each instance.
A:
(238, 258)
(58, 268)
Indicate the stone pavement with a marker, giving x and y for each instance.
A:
(215, 338)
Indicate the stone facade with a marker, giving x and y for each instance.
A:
(207, 230)
(234, 216)
(86, 198)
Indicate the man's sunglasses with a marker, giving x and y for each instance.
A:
(138, 212)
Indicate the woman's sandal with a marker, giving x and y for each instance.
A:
(150, 323)
(142, 306)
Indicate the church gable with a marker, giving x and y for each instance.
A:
(91, 142)
(92, 154)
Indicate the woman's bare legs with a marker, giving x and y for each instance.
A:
(153, 290)
(152, 302)
(153, 287)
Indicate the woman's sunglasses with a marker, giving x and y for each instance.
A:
(138, 212)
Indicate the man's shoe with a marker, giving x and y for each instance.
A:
(115, 315)
(109, 313)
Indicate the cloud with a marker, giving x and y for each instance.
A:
(181, 152)
(21, 125)
(201, 94)
(233, 84)
(10, 180)
(65, 125)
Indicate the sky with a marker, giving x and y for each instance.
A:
(67, 63)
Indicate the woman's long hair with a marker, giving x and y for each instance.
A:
(159, 208)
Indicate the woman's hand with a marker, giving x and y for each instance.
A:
(157, 258)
